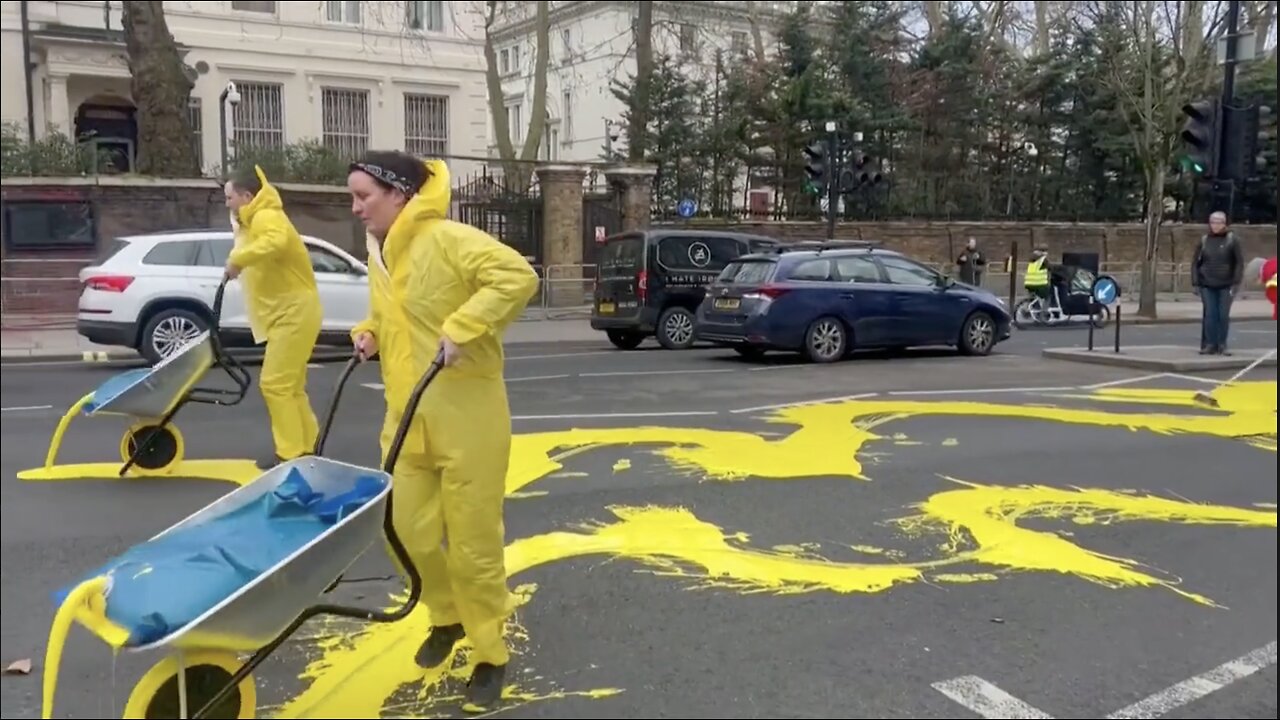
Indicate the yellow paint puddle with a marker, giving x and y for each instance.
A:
(359, 674)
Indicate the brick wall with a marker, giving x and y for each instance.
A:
(44, 280)
(942, 242)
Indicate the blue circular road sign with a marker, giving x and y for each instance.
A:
(1105, 290)
(687, 208)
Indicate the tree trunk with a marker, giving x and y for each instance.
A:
(1151, 256)
(518, 172)
(638, 130)
(161, 92)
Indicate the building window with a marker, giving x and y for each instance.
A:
(509, 60)
(34, 225)
(566, 114)
(739, 42)
(551, 143)
(515, 123)
(345, 121)
(426, 125)
(259, 116)
(343, 11)
(566, 42)
(422, 15)
(688, 38)
(197, 129)
(258, 6)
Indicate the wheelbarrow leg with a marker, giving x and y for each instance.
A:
(141, 447)
(182, 686)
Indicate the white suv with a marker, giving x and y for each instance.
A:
(155, 292)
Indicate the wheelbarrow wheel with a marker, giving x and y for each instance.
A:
(155, 697)
(161, 456)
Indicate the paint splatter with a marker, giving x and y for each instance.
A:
(621, 465)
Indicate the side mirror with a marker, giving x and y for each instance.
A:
(945, 282)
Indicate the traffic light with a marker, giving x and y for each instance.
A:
(864, 169)
(1261, 140)
(818, 166)
(1200, 136)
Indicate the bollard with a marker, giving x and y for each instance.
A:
(1093, 309)
(1119, 313)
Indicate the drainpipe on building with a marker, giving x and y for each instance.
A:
(27, 70)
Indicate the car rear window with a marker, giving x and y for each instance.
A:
(110, 250)
(748, 272)
(620, 257)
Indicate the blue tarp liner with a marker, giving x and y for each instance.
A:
(160, 586)
(111, 389)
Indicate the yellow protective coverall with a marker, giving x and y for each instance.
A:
(284, 309)
(433, 276)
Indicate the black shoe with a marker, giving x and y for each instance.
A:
(484, 690)
(438, 646)
(1206, 351)
(1224, 352)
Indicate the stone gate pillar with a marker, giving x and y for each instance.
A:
(561, 188)
(634, 184)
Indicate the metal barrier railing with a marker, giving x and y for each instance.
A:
(568, 291)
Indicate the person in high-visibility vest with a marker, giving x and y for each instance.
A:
(1037, 279)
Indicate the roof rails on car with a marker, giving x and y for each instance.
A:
(821, 245)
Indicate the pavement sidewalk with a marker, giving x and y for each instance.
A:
(48, 339)
(53, 342)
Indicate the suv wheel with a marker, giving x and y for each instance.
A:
(169, 330)
(625, 339)
(826, 340)
(978, 336)
(675, 329)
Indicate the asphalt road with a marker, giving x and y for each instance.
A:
(831, 564)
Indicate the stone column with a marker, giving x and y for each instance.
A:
(561, 187)
(59, 116)
(634, 184)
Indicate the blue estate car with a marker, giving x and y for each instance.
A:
(826, 299)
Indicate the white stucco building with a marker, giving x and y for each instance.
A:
(356, 75)
(592, 44)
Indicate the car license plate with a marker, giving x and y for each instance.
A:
(727, 303)
(607, 307)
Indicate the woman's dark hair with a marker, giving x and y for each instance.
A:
(246, 180)
(393, 170)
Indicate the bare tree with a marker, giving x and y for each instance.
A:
(639, 109)
(161, 91)
(518, 170)
(1164, 62)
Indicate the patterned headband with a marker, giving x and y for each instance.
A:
(387, 177)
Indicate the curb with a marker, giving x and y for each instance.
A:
(1108, 357)
(1184, 320)
(116, 357)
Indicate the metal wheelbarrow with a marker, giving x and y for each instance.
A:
(239, 577)
(152, 445)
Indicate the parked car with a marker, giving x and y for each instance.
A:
(826, 299)
(651, 282)
(155, 292)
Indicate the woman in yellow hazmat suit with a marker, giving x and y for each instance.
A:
(284, 308)
(438, 285)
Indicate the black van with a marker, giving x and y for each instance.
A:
(651, 282)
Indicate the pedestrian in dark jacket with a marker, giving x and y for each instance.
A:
(1216, 274)
(972, 263)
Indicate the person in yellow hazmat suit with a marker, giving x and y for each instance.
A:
(441, 286)
(283, 304)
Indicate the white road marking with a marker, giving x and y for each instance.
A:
(704, 371)
(587, 416)
(1126, 381)
(537, 377)
(1193, 378)
(314, 366)
(19, 408)
(986, 699)
(373, 386)
(802, 403)
(562, 355)
(1197, 687)
(982, 391)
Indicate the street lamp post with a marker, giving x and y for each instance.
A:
(230, 95)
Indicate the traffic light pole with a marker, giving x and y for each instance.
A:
(1229, 110)
(1229, 66)
(833, 177)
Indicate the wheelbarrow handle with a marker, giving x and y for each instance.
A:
(388, 528)
(234, 369)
